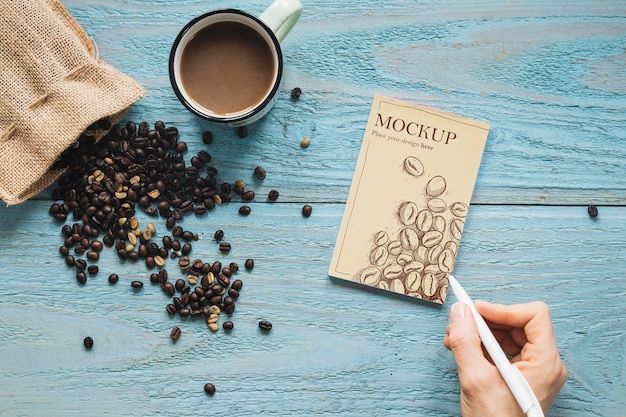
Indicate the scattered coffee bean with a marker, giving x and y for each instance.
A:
(228, 325)
(219, 234)
(265, 325)
(92, 269)
(260, 173)
(225, 247)
(175, 333)
(592, 210)
(88, 342)
(296, 93)
(136, 284)
(273, 195)
(207, 138)
(242, 131)
(304, 143)
(113, 278)
(307, 210)
(244, 210)
(209, 388)
(249, 264)
(81, 277)
(248, 195)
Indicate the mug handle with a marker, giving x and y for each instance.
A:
(281, 16)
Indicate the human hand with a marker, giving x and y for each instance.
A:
(525, 333)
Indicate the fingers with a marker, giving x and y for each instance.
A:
(528, 322)
(463, 340)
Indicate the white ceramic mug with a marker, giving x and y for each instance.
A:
(242, 90)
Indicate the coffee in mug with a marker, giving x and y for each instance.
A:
(226, 65)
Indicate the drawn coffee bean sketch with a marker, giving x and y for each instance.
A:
(416, 257)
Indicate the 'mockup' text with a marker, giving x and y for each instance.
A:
(415, 129)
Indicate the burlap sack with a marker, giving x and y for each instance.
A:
(52, 88)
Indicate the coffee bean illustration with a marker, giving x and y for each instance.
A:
(413, 166)
(456, 228)
(424, 220)
(370, 276)
(458, 209)
(379, 256)
(429, 285)
(436, 186)
(413, 281)
(409, 239)
(394, 247)
(433, 254)
(432, 238)
(446, 260)
(396, 285)
(407, 213)
(413, 266)
(437, 205)
(439, 224)
(381, 238)
(392, 271)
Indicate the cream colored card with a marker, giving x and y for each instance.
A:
(409, 199)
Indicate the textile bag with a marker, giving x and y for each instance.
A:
(53, 88)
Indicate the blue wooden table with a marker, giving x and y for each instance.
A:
(550, 78)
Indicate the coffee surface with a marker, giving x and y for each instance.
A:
(227, 68)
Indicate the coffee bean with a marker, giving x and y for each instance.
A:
(175, 333)
(113, 278)
(237, 285)
(296, 93)
(592, 210)
(219, 234)
(265, 325)
(80, 264)
(234, 267)
(249, 264)
(171, 309)
(70, 260)
(136, 284)
(209, 388)
(260, 173)
(92, 269)
(242, 131)
(207, 137)
(81, 277)
(228, 325)
(88, 342)
(413, 166)
(248, 195)
(245, 210)
(305, 142)
(307, 210)
(225, 247)
(272, 195)
(168, 288)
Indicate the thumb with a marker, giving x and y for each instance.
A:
(464, 342)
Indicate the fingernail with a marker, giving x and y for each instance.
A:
(457, 312)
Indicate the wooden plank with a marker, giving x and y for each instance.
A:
(548, 78)
(335, 348)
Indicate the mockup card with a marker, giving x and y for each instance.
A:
(409, 199)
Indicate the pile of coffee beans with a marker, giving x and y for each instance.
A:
(139, 167)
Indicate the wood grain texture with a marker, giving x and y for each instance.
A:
(550, 79)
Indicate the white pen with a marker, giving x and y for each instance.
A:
(514, 379)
